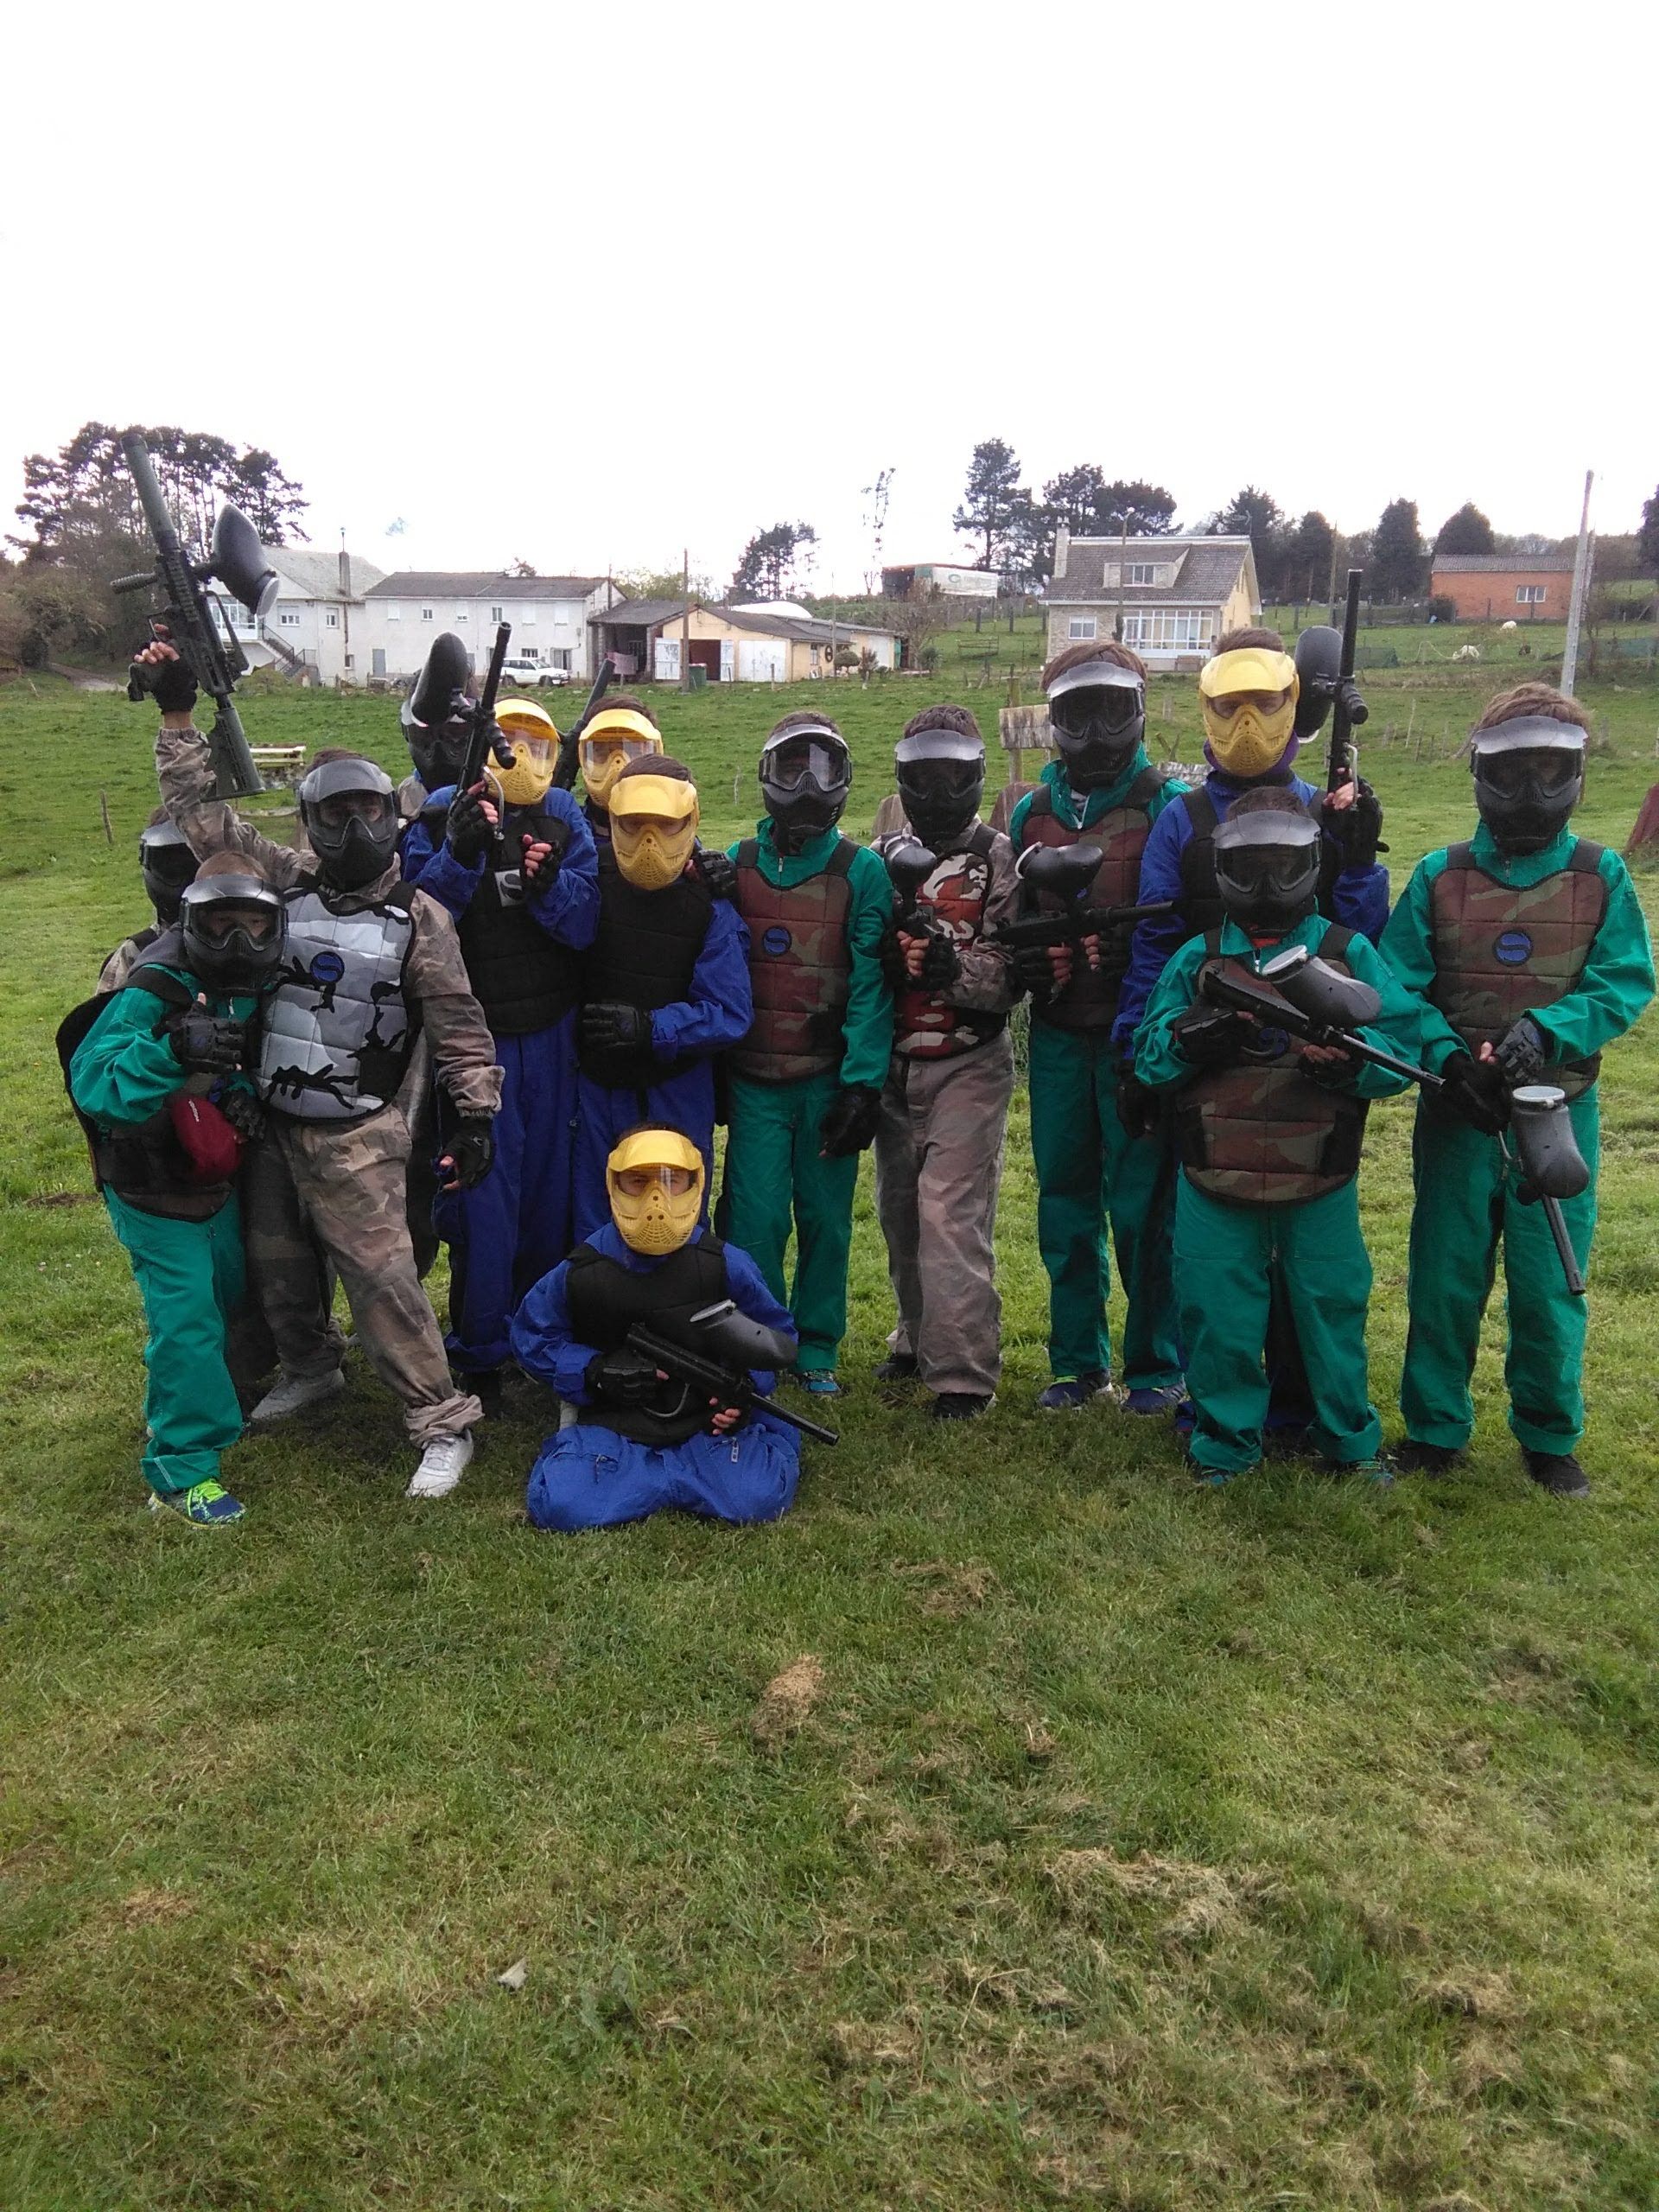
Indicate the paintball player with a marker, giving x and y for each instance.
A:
(665, 983)
(513, 862)
(641, 1442)
(623, 730)
(1268, 1132)
(939, 1144)
(806, 1082)
(1099, 1159)
(156, 1071)
(1532, 948)
(166, 864)
(368, 961)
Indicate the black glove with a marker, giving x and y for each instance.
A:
(1519, 1052)
(1355, 829)
(244, 1113)
(609, 1027)
(1347, 692)
(207, 1044)
(168, 683)
(467, 832)
(1033, 973)
(1476, 1091)
(848, 1125)
(719, 873)
(1211, 1036)
(890, 954)
(941, 963)
(470, 1151)
(626, 1378)
(1139, 1106)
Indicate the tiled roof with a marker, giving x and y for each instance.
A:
(1207, 573)
(1502, 564)
(479, 583)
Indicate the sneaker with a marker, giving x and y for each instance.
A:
(1379, 1468)
(1156, 1398)
(1557, 1472)
(963, 1405)
(442, 1464)
(821, 1381)
(1066, 1393)
(293, 1394)
(1412, 1457)
(899, 1367)
(1218, 1477)
(209, 1505)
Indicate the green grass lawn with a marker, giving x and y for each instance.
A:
(1289, 1845)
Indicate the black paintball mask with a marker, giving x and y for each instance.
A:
(168, 864)
(941, 778)
(350, 817)
(1098, 712)
(436, 715)
(233, 928)
(806, 773)
(1528, 778)
(1267, 868)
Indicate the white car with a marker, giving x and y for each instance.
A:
(525, 669)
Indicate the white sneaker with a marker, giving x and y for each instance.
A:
(293, 1394)
(442, 1464)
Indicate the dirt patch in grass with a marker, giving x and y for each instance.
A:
(786, 1703)
(1197, 1901)
(947, 1591)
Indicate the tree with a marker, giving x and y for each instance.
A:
(1076, 499)
(663, 583)
(988, 506)
(1306, 562)
(1647, 538)
(767, 567)
(1029, 545)
(1149, 509)
(1083, 502)
(1252, 513)
(519, 567)
(84, 494)
(1467, 531)
(876, 496)
(1397, 561)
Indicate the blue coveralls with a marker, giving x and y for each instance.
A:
(686, 1036)
(587, 1476)
(506, 1234)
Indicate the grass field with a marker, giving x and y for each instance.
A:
(1290, 1846)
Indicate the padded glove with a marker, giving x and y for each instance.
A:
(1519, 1052)
(470, 1151)
(623, 1377)
(941, 963)
(1475, 1092)
(243, 1112)
(1355, 829)
(468, 831)
(1212, 1036)
(1139, 1106)
(168, 683)
(1033, 973)
(848, 1125)
(608, 1027)
(207, 1044)
(719, 873)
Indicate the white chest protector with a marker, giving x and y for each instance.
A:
(337, 1033)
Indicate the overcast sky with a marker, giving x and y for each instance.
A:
(587, 285)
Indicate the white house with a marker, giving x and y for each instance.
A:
(1174, 596)
(404, 612)
(317, 621)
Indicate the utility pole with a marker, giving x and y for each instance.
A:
(1580, 584)
(685, 620)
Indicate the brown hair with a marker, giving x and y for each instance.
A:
(325, 753)
(805, 719)
(1268, 798)
(1238, 641)
(1533, 698)
(634, 705)
(230, 863)
(1121, 656)
(957, 719)
(656, 763)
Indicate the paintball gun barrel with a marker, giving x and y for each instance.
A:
(1341, 768)
(1064, 874)
(564, 771)
(194, 621)
(485, 737)
(730, 1344)
(1313, 1001)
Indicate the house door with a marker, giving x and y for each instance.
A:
(760, 660)
(377, 661)
(705, 654)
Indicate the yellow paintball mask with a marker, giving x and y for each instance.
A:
(1247, 698)
(653, 828)
(615, 736)
(528, 730)
(654, 1181)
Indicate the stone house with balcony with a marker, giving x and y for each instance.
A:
(1174, 596)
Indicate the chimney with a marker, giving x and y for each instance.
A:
(345, 574)
(1062, 549)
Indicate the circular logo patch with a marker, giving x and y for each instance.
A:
(328, 968)
(777, 941)
(1513, 947)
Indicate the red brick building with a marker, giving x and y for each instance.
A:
(1504, 587)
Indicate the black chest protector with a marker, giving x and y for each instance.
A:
(1202, 910)
(604, 1300)
(645, 955)
(523, 980)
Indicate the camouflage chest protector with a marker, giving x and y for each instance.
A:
(926, 1026)
(337, 1034)
(800, 967)
(1260, 1133)
(1500, 948)
(1089, 1000)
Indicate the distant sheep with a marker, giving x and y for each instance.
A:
(1467, 652)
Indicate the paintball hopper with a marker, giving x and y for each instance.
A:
(1319, 664)
(1063, 872)
(910, 864)
(1548, 1151)
(444, 679)
(238, 560)
(722, 1333)
(1323, 992)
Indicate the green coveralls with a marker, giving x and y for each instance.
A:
(190, 1273)
(1466, 1196)
(773, 1172)
(1226, 1254)
(1090, 1171)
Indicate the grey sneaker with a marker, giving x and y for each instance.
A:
(293, 1394)
(442, 1464)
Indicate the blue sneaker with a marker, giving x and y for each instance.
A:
(1157, 1398)
(1377, 1469)
(1069, 1392)
(820, 1381)
(1218, 1478)
(209, 1505)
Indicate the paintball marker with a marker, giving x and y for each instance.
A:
(729, 1344)
(485, 738)
(1341, 769)
(1064, 874)
(1310, 998)
(564, 772)
(193, 619)
(910, 864)
(1552, 1166)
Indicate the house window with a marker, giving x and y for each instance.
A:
(350, 660)
(1081, 626)
(1173, 629)
(559, 658)
(289, 618)
(1142, 572)
(495, 614)
(394, 614)
(1529, 595)
(461, 614)
(332, 618)
(426, 615)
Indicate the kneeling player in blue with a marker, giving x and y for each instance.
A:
(642, 1441)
